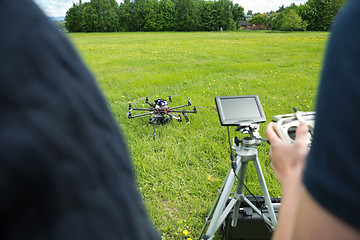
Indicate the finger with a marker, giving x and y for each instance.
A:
(301, 132)
(271, 134)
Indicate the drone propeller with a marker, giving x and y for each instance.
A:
(133, 102)
(129, 102)
(157, 96)
(189, 102)
(196, 107)
(152, 96)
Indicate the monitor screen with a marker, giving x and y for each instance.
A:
(234, 110)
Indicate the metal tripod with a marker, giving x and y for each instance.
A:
(246, 152)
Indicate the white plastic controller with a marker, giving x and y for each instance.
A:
(285, 125)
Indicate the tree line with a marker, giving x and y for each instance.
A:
(153, 15)
(194, 15)
(314, 15)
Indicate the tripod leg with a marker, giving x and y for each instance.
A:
(220, 213)
(239, 193)
(211, 213)
(265, 193)
(216, 221)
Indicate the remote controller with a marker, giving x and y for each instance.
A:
(286, 125)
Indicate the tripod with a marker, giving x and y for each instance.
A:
(246, 152)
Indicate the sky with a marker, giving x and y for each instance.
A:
(57, 8)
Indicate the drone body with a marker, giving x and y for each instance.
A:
(159, 112)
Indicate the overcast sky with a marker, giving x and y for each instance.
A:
(56, 8)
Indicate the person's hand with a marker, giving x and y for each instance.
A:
(288, 160)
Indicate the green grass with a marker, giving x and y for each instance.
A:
(178, 174)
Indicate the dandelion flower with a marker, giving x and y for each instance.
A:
(185, 232)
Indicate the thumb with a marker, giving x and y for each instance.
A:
(301, 132)
(271, 134)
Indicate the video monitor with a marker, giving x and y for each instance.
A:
(234, 110)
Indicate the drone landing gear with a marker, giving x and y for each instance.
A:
(186, 118)
(158, 119)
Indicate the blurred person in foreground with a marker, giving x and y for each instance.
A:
(65, 172)
(321, 188)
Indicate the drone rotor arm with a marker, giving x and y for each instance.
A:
(147, 102)
(143, 109)
(141, 115)
(184, 111)
(181, 106)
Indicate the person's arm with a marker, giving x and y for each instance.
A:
(313, 222)
(288, 161)
(300, 216)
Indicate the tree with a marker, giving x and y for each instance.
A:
(224, 15)
(73, 18)
(151, 15)
(320, 13)
(185, 15)
(89, 19)
(208, 16)
(331, 8)
(259, 19)
(281, 9)
(238, 14)
(126, 14)
(139, 15)
(108, 19)
(287, 20)
(166, 18)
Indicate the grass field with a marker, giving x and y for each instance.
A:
(178, 174)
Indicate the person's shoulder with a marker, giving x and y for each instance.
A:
(348, 18)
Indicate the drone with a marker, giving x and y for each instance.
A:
(159, 111)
